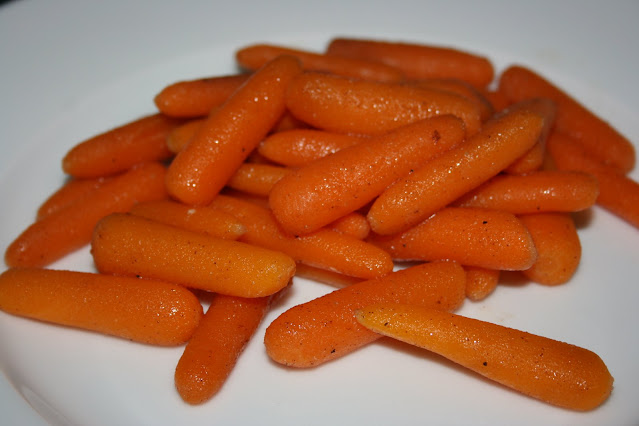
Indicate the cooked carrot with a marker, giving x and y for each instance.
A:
(256, 55)
(343, 105)
(218, 341)
(70, 192)
(598, 137)
(288, 122)
(461, 88)
(558, 247)
(618, 193)
(354, 224)
(325, 328)
(418, 60)
(70, 228)
(543, 191)
(257, 179)
(480, 282)
(230, 133)
(327, 189)
(300, 146)
(555, 372)
(196, 98)
(153, 312)
(118, 150)
(124, 244)
(497, 99)
(324, 248)
(491, 239)
(455, 172)
(177, 139)
(324, 276)
(198, 219)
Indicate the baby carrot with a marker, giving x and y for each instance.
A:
(196, 98)
(452, 174)
(300, 146)
(324, 276)
(324, 248)
(461, 88)
(480, 282)
(257, 179)
(354, 224)
(288, 122)
(598, 137)
(417, 60)
(491, 239)
(198, 219)
(326, 189)
(256, 55)
(152, 312)
(543, 191)
(343, 105)
(120, 149)
(67, 194)
(555, 372)
(177, 139)
(230, 133)
(219, 340)
(124, 244)
(558, 247)
(70, 228)
(325, 328)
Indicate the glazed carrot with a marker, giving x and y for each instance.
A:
(324, 276)
(418, 60)
(70, 192)
(288, 122)
(450, 175)
(325, 328)
(120, 149)
(497, 99)
(597, 137)
(491, 239)
(70, 228)
(326, 189)
(218, 341)
(300, 146)
(256, 55)
(196, 98)
(618, 193)
(146, 311)
(543, 191)
(177, 139)
(124, 244)
(558, 247)
(198, 219)
(555, 372)
(354, 224)
(461, 88)
(343, 105)
(480, 282)
(257, 179)
(230, 133)
(324, 248)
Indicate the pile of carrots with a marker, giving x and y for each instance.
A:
(338, 166)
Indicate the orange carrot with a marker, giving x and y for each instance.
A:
(300, 146)
(120, 149)
(198, 219)
(257, 179)
(70, 228)
(256, 55)
(124, 244)
(555, 372)
(146, 311)
(324, 248)
(480, 282)
(343, 105)
(324, 276)
(177, 139)
(543, 191)
(418, 60)
(326, 189)
(450, 175)
(196, 98)
(618, 193)
(325, 328)
(491, 239)
(558, 247)
(354, 224)
(218, 341)
(461, 88)
(288, 122)
(497, 99)
(230, 133)
(598, 137)
(67, 194)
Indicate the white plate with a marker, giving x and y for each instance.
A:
(71, 69)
